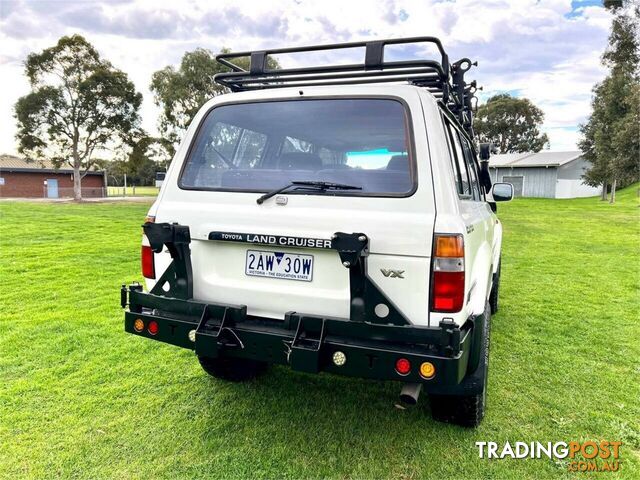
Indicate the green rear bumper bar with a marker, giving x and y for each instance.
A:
(304, 342)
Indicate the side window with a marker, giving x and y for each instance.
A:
(464, 184)
(224, 147)
(249, 149)
(292, 144)
(454, 163)
(471, 165)
(331, 158)
(224, 138)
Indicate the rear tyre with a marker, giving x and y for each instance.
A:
(467, 410)
(493, 296)
(232, 369)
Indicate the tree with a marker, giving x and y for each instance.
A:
(79, 105)
(147, 157)
(180, 93)
(139, 163)
(511, 124)
(611, 136)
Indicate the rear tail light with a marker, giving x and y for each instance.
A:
(403, 366)
(152, 328)
(146, 255)
(447, 285)
(148, 264)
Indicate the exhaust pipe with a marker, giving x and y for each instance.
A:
(409, 395)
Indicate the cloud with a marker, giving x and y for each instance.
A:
(546, 50)
(129, 22)
(7, 7)
(232, 21)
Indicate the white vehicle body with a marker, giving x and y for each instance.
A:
(332, 219)
(400, 229)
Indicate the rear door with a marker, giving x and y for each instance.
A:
(264, 256)
(474, 213)
(486, 217)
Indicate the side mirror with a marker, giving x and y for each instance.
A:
(502, 192)
(485, 151)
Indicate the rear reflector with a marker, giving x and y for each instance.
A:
(447, 282)
(148, 265)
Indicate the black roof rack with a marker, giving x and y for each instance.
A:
(443, 79)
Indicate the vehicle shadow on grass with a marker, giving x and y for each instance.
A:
(320, 415)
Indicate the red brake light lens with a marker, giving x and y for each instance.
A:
(448, 291)
(403, 366)
(153, 327)
(148, 263)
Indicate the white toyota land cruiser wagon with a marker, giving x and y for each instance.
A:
(332, 219)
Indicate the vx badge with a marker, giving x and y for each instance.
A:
(392, 273)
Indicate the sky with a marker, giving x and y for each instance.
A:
(545, 50)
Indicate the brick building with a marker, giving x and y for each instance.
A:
(39, 179)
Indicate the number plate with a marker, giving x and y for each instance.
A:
(289, 266)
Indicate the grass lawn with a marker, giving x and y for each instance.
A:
(79, 397)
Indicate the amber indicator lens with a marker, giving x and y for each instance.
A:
(427, 370)
(138, 325)
(449, 246)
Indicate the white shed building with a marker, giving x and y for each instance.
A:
(543, 174)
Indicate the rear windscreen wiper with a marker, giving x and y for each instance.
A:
(322, 186)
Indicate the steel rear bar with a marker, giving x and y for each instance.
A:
(304, 342)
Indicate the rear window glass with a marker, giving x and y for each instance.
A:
(258, 147)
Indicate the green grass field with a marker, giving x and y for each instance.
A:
(80, 398)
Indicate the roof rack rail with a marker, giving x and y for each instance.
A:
(443, 79)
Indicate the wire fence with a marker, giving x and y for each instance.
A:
(133, 191)
(67, 192)
(101, 192)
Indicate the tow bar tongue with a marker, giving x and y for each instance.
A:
(409, 395)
